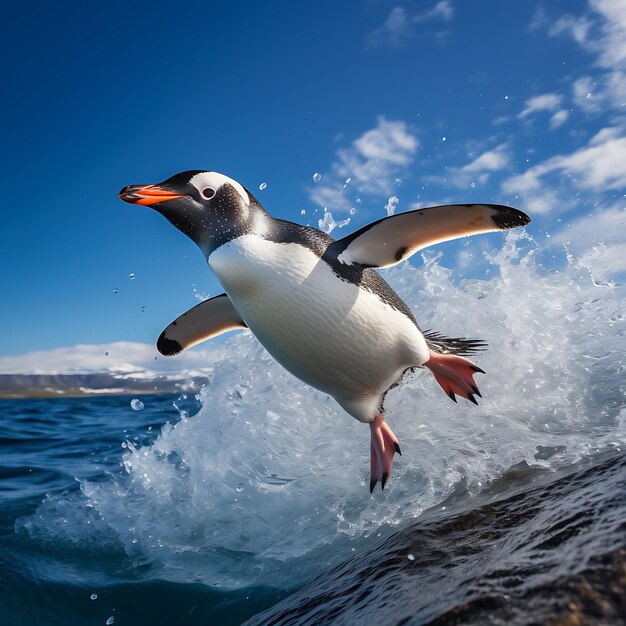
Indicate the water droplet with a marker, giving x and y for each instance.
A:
(327, 223)
(110, 620)
(443, 138)
(506, 97)
(303, 212)
(132, 276)
(262, 186)
(352, 211)
(589, 95)
(106, 354)
(116, 290)
(358, 200)
(93, 596)
(188, 405)
(143, 309)
(473, 185)
(240, 487)
(136, 405)
(398, 181)
(348, 181)
(317, 177)
(391, 205)
(410, 557)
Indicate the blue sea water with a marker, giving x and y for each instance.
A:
(211, 509)
(47, 446)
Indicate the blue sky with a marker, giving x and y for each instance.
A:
(432, 101)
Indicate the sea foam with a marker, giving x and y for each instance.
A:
(268, 483)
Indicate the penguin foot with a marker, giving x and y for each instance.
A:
(455, 375)
(383, 446)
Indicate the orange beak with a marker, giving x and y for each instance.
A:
(146, 194)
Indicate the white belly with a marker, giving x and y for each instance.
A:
(329, 333)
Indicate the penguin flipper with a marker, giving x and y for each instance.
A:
(204, 321)
(390, 240)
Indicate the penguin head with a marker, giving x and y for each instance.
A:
(208, 207)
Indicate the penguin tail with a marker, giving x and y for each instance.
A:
(455, 375)
(453, 345)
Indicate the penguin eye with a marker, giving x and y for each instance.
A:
(208, 193)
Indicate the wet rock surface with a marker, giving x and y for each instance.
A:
(554, 554)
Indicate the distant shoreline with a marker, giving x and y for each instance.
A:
(76, 393)
(28, 386)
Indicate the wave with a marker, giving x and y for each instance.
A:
(268, 482)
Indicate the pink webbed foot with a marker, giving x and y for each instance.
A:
(455, 375)
(383, 446)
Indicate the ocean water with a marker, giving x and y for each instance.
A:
(212, 509)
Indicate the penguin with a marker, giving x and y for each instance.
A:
(317, 304)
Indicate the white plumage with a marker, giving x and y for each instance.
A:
(330, 333)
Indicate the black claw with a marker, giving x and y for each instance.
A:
(480, 395)
(471, 398)
(383, 482)
(452, 396)
(477, 369)
(396, 447)
(373, 482)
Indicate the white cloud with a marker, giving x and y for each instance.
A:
(442, 10)
(597, 167)
(372, 162)
(492, 160)
(559, 118)
(611, 44)
(390, 143)
(615, 88)
(394, 32)
(539, 19)
(585, 94)
(575, 27)
(397, 29)
(479, 170)
(602, 32)
(121, 357)
(605, 226)
(544, 102)
(598, 240)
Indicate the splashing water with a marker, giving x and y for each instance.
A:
(268, 482)
(391, 205)
(136, 404)
(317, 177)
(328, 224)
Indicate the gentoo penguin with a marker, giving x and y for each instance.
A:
(315, 303)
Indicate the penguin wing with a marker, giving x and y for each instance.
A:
(393, 239)
(204, 321)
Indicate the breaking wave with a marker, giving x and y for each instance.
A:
(268, 482)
